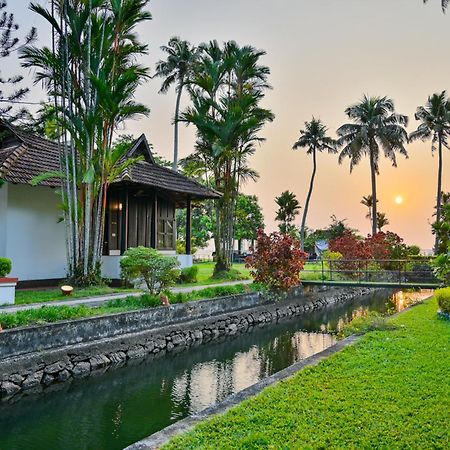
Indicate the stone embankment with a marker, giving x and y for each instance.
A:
(32, 359)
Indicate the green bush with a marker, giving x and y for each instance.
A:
(442, 268)
(443, 299)
(230, 275)
(147, 265)
(5, 267)
(189, 275)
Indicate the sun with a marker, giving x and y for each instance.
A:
(399, 199)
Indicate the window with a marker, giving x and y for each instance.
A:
(166, 226)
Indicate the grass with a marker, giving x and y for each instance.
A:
(391, 390)
(50, 295)
(48, 314)
(205, 275)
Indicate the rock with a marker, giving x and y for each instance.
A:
(178, 340)
(8, 389)
(48, 379)
(62, 376)
(16, 378)
(98, 362)
(197, 335)
(117, 358)
(55, 367)
(81, 369)
(33, 380)
(170, 346)
(137, 352)
(232, 328)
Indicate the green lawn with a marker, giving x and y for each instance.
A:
(50, 295)
(205, 272)
(50, 313)
(389, 391)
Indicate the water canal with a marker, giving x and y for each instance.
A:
(125, 405)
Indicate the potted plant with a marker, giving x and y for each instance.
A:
(7, 285)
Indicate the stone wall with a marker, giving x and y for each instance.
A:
(133, 339)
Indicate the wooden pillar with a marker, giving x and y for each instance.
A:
(188, 227)
(124, 222)
(154, 223)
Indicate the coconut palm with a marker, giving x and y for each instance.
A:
(367, 201)
(375, 126)
(434, 119)
(314, 138)
(382, 221)
(288, 210)
(176, 69)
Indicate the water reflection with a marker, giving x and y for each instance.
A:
(125, 405)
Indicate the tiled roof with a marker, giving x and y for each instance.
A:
(33, 155)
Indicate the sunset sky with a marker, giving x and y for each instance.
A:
(324, 55)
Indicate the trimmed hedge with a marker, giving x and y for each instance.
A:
(443, 299)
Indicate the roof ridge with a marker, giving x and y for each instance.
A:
(9, 162)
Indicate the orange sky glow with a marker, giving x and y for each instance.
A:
(324, 55)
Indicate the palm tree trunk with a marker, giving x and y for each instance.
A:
(175, 127)
(439, 194)
(308, 199)
(374, 192)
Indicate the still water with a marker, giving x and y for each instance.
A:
(125, 405)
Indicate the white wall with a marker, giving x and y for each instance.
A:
(3, 209)
(35, 241)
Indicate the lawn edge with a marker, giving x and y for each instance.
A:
(163, 436)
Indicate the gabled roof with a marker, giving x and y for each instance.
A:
(24, 156)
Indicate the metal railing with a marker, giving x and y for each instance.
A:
(396, 271)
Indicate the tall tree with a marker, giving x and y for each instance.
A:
(288, 210)
(249, 219)
(382, 221)
(375, 125)
(11, 43)
(92, 74)
(226, 91)
(367, 201)
(434, 119)
(176, 69)
(315, 139)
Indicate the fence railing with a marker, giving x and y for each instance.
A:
(397, 271)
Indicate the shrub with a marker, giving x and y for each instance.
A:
(5, 267)
(147, 265)
(230, 275)
(189, 275)
(328, 255)
(443, 299)
(442, 268)
(277, 261)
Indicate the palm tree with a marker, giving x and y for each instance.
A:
(176, 69)
(374, 125)
(226, 89)
(314, 138)
(92, 74)
(434, 120)
(382, 221)
(367, 201)
(288, 209)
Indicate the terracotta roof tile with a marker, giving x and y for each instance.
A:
(33, 155)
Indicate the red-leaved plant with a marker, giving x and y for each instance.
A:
(277, 260)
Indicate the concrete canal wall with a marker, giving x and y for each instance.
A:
(32, 359)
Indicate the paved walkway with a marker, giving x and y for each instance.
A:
(101, 299)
